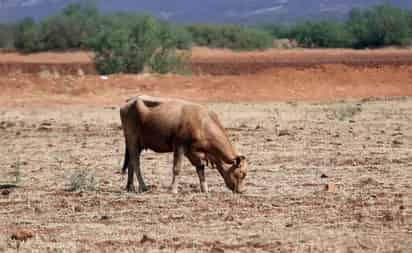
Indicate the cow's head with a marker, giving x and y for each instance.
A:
(234, 176)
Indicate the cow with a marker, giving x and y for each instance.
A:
(185, 128)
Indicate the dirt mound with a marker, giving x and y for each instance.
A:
(327, 82)
(216, 61)
(226, 62)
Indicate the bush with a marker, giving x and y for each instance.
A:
(165, 58)
(379, 26)
(277, 31)
(7, 32)
(230, 36)
(321, 34)
(81, 181)
(70, 29)
(182, 36)
(130, 48)
(28, 36)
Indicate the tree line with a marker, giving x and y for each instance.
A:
(378, 26)
(130, 42)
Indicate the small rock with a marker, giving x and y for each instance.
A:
(46, 124)
(5, 192)
(22, 235)
(104, 217)
(77, 209)
(397, 142)
(229, 218)
(283, 132)
(243, 125)
(368, 181)
(80, 72)
(176, 216)
(288, 225)
(44, 128)
(45, 74)
(216, 249)
(330, 188)
(324, 176)
(146, 238)
(7, 124)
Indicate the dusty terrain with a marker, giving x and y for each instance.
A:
(216, 61)
(324, 176)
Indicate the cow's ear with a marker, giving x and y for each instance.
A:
(239, 159)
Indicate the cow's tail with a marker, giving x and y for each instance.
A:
(126, 160)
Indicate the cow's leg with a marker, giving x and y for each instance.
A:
(129, 125)
(129, 130)
(195, 159)
(201, 173)
(142, 185)
(177, 166)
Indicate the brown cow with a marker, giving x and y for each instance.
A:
(184, 128)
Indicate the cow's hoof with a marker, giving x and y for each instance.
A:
(143, 189)
(204, 188)
(130, 188)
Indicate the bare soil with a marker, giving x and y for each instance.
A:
(205, 61)
(325, 176)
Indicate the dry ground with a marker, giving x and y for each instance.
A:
(216, 61)
(324, 176)
(332, 177)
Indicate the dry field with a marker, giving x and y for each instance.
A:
(332, 174)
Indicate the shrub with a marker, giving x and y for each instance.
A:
(28, 36)
(230, 36)
(7, 32)
(81, 181)
(277, 31)
(321, 34)
(379, 26)
(71, 28)
(131, 47)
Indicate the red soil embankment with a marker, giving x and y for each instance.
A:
(327, 82)
(215, 61)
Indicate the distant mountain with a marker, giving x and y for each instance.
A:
(209, 11)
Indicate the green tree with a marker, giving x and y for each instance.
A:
(130, 47)
(70, 29)
(321, 34)
(28, 36)
(230, 36)
(379, 26)
(7, 34)
(278, 31)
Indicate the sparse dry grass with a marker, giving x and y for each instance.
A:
(365, 207)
